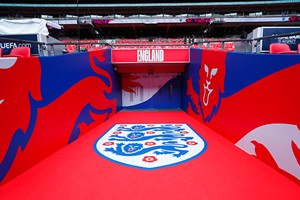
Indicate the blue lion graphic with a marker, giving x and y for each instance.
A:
(166, 128)
(140, 136)
(135, 149)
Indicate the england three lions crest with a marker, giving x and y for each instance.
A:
(150, 146)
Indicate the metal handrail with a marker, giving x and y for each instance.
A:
(43, 45)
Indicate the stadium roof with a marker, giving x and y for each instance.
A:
(123, 1)
(128, 1)
(57, 9)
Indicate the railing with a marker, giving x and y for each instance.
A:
(198, 43)
(254, 41)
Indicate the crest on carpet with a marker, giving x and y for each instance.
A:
(150, 146)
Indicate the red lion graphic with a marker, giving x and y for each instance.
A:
(211, 85)
(128, 83)
(19, 82)
(50, 125)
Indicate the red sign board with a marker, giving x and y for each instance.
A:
(154, 55)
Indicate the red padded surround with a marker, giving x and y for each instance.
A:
(280, 48)
(20, 52)
(223, 171)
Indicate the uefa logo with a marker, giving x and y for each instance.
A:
(150, 146)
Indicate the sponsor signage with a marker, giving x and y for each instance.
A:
(198, 20)
(292, 41)
(294, 18)
(100, 21)
(154, 55)
(146, 20)
(7, 45)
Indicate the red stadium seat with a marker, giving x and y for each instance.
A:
(71, 48)
(280, 48)
(20, 52)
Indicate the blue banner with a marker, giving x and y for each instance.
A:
(7, 45)
(292, 41)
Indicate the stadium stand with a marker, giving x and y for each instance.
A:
(227, 18)
(160, 22)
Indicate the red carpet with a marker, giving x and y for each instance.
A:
(221, 172)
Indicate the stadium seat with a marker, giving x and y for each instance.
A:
(71, 48)
(298, 48)
(280, 48)
(20, 52)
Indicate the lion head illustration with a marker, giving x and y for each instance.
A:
(211, 82)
